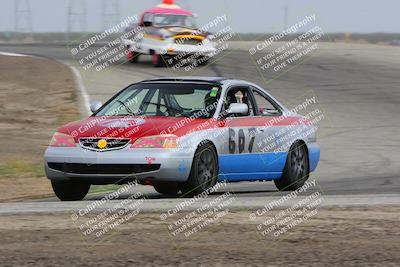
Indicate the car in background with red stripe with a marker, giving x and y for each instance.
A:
(169, 34)
(183, 134)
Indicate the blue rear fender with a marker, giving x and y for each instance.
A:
(260, 166)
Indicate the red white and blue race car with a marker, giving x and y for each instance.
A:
(183, 134)
(168, 33)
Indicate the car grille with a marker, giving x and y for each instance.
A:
(188, 41)
(112, 143)
(79, 168)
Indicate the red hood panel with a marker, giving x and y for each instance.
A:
(129, 127)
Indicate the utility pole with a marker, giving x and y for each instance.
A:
(23, 16)
(110, 13)
(76, 17)
(286, 16)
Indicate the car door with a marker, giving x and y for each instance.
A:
(151, 35)
(239, 158)
(249, 152)
(271, 144)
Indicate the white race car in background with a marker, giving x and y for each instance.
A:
(169, 34)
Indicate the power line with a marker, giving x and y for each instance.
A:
(286, 17)
(23, 16)
(110, 13)
(77, 16)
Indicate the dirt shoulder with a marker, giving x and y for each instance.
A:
(333, 237)
(36, 96)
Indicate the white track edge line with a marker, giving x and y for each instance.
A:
(83, 94)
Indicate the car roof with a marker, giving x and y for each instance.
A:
(220, 81)
(213, 80)
(172, 11)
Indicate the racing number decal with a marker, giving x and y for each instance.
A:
(232, 143)
(252, 133)
(241, 140)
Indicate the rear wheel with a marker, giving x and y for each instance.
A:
(167, 188)
(69, 190)
(204, 172)
(132, 56)
(296, 170)
(157, 60)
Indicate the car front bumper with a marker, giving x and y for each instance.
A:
(118, 166)
(173, 49)
(187, 50)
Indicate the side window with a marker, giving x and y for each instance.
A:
(147, 17)
(265, 107)
(240, 95)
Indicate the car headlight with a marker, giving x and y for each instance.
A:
(62, 140)
(156, 141)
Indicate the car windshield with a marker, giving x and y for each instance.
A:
(163, 99)
(161, 20)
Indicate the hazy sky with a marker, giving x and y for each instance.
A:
(243, 16)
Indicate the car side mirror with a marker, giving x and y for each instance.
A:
(238, 108)
(95, 105)
(147, 23)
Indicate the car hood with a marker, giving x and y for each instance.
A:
(132, 127)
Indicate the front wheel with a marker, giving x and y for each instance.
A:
(204, 172)
(296, 170)
(69, 190)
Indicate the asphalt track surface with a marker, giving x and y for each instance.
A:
(356, 85)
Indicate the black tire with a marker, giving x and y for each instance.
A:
(157, 60)
(203, 61)
(167, 188)
(296, 170)
(204, 172)
(132, 56)
(70, 191)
